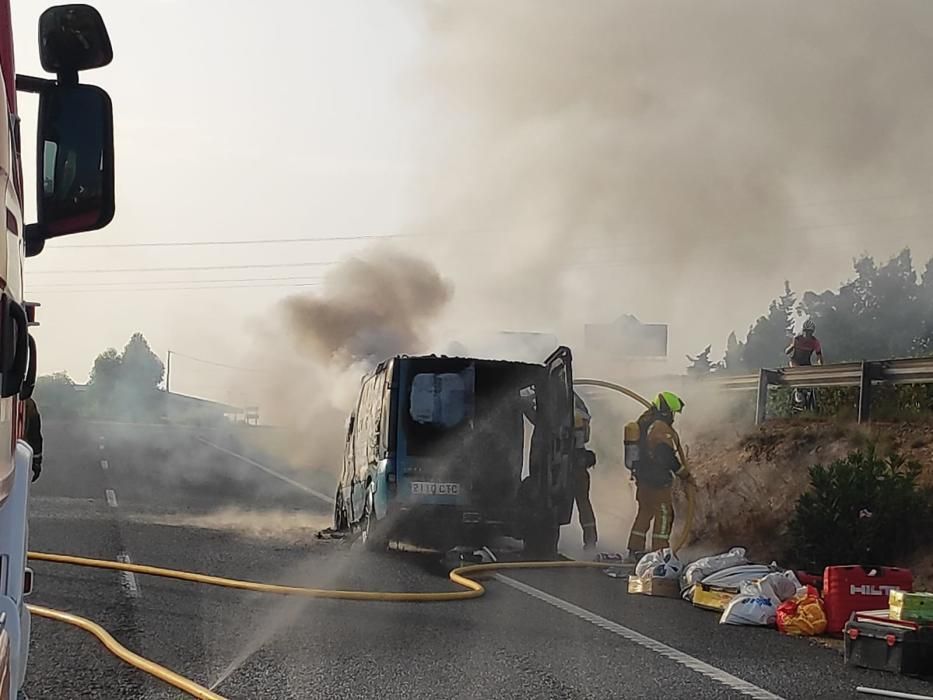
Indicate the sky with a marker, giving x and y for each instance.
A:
(557, 166)
(231, 125)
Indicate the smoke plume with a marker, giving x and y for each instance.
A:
(674, 160)
(372, 307)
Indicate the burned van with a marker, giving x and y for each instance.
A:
(446, 451)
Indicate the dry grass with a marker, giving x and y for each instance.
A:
(747, 486)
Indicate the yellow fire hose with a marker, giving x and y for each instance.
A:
(124, 654)
(460, 576)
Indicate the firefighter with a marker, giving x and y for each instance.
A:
(583, 459)
(654, 474)
(33, 435)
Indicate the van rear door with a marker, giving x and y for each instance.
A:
(559, 378)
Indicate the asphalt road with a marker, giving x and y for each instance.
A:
(166, 497)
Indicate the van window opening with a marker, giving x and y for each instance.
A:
(441, 400)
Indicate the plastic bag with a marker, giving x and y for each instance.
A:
(802, 615)
(776, 586)
(749, 610)
(703, 567)
(661, 564)
(735, 576)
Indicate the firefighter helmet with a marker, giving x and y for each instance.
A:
(669, 402)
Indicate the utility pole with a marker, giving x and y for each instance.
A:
(168, 373)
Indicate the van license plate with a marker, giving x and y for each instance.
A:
(432, 488)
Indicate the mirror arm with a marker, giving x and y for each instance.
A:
(30, 83)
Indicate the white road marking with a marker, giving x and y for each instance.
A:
(111, 498)
(727, 679)
(104, 464)
(271, 472)
(129, 578)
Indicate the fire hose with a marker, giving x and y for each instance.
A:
(461, 576)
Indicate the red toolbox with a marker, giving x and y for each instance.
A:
(847, 589)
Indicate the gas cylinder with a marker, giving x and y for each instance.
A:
(631, 437)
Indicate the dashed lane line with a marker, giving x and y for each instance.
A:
(715, 674)
(129, 578)
(111, 498)
(271, 472)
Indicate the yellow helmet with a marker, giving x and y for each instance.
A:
(669, 401)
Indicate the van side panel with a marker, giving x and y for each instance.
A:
(401, 437)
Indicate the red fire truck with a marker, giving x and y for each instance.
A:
(74, 193)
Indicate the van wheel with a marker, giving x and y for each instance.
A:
(341, 517)
(373, 531)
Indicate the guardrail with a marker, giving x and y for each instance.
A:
(864, 375)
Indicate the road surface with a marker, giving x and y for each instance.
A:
(198, 501)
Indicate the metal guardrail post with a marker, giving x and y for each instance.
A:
(761, 410)
(864, 393)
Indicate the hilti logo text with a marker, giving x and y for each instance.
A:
(867, 589)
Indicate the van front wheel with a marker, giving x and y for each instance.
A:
(373, 536)
(341, 517)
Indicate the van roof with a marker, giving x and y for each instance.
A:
(482, 360)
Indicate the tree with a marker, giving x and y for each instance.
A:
(882, 312)
(105, 374)
(764, 346)
(701, 365)
(57, 396)
(923, 343)
(142, 369)
(733, 360)
(125, 384)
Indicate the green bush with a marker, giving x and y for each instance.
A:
(863, 509)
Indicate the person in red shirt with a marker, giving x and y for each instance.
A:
(805, 345)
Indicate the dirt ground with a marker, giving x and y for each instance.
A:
(749, 481)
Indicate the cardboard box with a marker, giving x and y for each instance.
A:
(913, 607)
(713, 597)
(660, 587)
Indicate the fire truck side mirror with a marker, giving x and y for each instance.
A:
(73, 38)
(75, 190)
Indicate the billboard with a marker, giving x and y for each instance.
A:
(627, 337)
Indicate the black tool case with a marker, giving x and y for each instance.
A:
(893, 646)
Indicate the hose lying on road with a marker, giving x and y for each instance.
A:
(460, 576)
(474, 589)
(132, 658)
